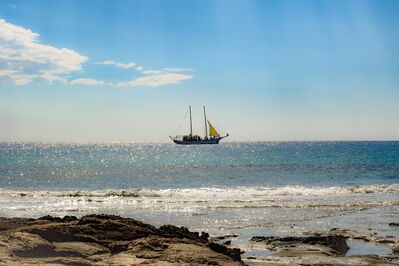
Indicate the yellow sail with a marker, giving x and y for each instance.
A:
(212, 131)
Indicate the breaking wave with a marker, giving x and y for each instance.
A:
(212, 192)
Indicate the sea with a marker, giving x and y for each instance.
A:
(242, 189)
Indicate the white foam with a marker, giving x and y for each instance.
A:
(212, 192)
(254, 200)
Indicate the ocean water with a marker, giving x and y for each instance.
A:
(262, 188)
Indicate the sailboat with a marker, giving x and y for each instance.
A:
(211, 137)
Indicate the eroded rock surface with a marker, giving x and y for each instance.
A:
(106, 240)
(322, 248)
(337, 243)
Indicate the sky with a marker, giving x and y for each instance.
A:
(126, 71)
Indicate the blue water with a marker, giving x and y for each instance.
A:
(278, 188)
(160, 166)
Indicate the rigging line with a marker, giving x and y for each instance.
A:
(181, 124)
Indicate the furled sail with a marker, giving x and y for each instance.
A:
(212, 131)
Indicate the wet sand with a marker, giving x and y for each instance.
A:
(114, 240)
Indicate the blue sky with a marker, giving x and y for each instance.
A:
(266, 70)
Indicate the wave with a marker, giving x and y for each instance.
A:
(207, 193)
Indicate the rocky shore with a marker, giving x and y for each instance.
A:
(326, 248)
(106, 240)
(114, 240)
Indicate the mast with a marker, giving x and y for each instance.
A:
(206, 127)
(191, 123)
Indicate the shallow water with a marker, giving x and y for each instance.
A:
(361, 247)
(268, 188)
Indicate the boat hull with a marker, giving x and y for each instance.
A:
(197, 142)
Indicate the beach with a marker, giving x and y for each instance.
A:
(113, 240)
(278, 203)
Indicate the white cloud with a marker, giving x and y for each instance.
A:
(155, 80)
(16, 77)
(152, 72)
(23, 58)
(12, 6)
(117, 64)
(87, 82)
(178, 69)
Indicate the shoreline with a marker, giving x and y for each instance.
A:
(114, 240)
(106, 240)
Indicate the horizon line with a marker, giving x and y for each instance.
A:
(168, 142)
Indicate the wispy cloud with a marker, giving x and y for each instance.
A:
(117, 64)
(178, 69)
(87, 82)
(11, 5)
(155, 80)
(15, 76)
(23, 58)
(151, 72)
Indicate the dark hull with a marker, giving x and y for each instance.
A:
(197, 142)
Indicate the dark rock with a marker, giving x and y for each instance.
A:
(112, 228)
(234, 253)
(183, 232)
(261, 238)
(44, 251)
(335, 242)
(60, 234)
(114, 233)
(118, 246)
(58, 219)
(224, 237)
(393, 224)
(386, 241)
(69, 218)
(13, 223)
(50, 218)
